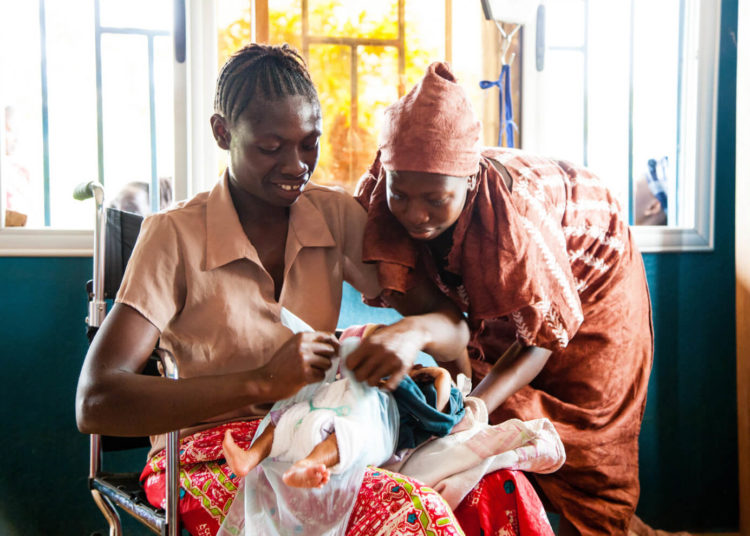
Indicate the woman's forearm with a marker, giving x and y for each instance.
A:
(114, 398)
(440, 324)
(125, 403)
(444, 335)
(517, 367)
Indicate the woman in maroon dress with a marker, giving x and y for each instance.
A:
(537, 254)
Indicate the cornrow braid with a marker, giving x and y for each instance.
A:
(274, 71)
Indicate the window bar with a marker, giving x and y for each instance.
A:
(45, 112)
(305, 32)
(449, 31)
(259, 17)
(582, 51)
(354, 112)
(586, 34)
(401, 49)
(631, 200)
(150, 36)
(99, 108)
(354, 43)
(672, 205)
(154, 190)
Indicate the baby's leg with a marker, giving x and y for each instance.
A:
(312, 471)
(243, 461)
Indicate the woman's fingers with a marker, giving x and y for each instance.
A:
(364, 370)
(303, 359)
(370, 363)
(355, 359)
(318, 362)
(316, 353)
(321, 348)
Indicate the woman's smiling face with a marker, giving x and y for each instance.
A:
(273, 148)
(426, 204)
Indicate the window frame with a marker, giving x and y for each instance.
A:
(698, 234)
(196, 160)
(59, 242)
(699, 168)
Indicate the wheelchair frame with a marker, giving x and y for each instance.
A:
(123, 489)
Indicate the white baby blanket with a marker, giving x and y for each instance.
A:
(453, 465)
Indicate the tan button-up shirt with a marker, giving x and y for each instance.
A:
(196, 277)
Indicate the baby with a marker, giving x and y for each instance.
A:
(428, 405)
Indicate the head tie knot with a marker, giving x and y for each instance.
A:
(432, 129)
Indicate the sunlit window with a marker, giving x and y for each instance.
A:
(620, 93)
(362, 55)
(85, 94)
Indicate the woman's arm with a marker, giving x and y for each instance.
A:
(460, 365)
(427, 310)
(517, 367)
(113, 397)
(431, 323)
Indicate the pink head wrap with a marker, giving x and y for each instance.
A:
(432, 129)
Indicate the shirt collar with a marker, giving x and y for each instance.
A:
(226, 241)
(308, 226)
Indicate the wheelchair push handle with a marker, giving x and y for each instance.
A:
(97, 304)
(86, 190)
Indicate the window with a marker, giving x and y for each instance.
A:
(362, 55)
(628, 89)
(90, 98)
(625, 87)
(97, 95)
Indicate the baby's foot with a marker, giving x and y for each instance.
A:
(307, 474)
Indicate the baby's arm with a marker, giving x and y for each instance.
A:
(442, 380)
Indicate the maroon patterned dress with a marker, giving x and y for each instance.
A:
(549, 261)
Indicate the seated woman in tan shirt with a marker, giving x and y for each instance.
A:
(208, 279)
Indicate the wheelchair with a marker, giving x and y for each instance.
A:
(115, 233)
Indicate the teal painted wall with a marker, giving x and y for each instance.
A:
(689, 437)
(689, 433)
(43, 480)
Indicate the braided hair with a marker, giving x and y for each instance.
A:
(274, 71)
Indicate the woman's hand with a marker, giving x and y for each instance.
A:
(390, 351)
(301, 360)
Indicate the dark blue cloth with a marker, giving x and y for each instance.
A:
(419, 420)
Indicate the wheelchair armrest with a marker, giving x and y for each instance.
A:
(169, 366)
(168, 363)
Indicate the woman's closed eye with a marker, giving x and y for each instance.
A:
(310, 146)
(269, 149)
(438, 202)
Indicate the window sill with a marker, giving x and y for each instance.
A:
(21, 242)
(657, 239)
